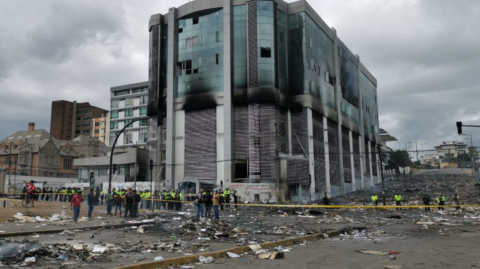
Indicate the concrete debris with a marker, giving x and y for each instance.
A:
(392, 257)
(392, 267)
(271, 256)
(374, 252)
(255, 247)
(158, 258)
(233, 255)
(206, 260)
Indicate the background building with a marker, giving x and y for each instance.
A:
(452, 147)
(132, 165)
(101, 128)
(71, 119)
(261, 97)
(36, 153)
(129, 102)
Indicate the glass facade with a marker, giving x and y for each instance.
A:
(348, 82)
(281, 52)
(310, 60)
(370, 109)
(240, 47)
(266, 43)
(200, 55)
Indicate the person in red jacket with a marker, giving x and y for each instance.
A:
(77, 199)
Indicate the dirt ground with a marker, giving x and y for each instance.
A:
(435, 239)
(43, 209)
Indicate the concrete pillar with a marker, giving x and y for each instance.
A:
(370, 180)
(310, 151)
(327, 157)
(362, 162)
(227, 92)
(289, 122)
(352, 159)
(172, 59)
(338, 98)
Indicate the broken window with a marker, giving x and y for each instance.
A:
(188, 43)
(217, 58)
(196, 20)
(265, 53)
(195, 41)
(241, 169)
(180, 30)
(188, 67)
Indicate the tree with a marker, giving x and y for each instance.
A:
(463, 158)
(448, 157)
(473, 152)
(399, 158)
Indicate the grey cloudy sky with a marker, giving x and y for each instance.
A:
(424, 53)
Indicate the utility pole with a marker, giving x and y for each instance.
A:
(151, 186)
(416, 149)
(379, 147)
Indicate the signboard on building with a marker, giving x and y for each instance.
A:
(250, 192)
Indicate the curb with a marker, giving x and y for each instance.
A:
(113, 226)
(223, 253)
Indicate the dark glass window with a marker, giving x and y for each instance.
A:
(201, 37)
(265, 52)
(240, 47)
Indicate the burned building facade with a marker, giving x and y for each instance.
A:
(262, 97)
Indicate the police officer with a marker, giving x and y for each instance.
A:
(456, 199)
(441, 201)
(179, 197)
(398, 200)
(171, 205)
(164, 198)
(426, 202)
(226, 195)
(375, 199)
(222, 200)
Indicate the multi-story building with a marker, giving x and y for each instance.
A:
(35, 152)
(261, 97)
(101, 127)
(452, 147)
(129, 103)
(71, 119)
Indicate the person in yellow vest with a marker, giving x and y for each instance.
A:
(102, 196)
(179, 197)
(226, 195)
(398, 200)
(148, 196)
(441, 201)
(171, 196)
(164, 200)
(142, 195)
(375, 199)
(456, 200)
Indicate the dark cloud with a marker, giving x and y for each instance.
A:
(424, 54)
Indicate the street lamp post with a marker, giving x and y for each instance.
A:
(470, 153)
(136, 155)
(111, 153)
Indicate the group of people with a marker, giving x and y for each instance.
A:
(52, 194)
(128, 200)
(206, 200)
(426, 201)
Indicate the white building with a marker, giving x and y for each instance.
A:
(129, 102)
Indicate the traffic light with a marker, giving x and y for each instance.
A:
(459, 127)
(310, 179)
(151, 165)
